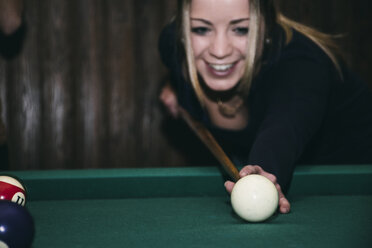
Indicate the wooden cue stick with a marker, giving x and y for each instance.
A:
(207, 138)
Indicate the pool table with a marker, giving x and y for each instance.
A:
(188, 207)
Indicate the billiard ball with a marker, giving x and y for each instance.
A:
(12, 189)
(254, 198)
(17, 227)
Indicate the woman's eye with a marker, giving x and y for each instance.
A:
(241, 31)
(200, 30)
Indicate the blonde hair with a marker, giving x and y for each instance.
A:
(263, 15)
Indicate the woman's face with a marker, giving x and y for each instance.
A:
(219, 34)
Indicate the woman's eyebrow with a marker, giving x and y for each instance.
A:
(236, 21)
(201, 20)
(239, 20)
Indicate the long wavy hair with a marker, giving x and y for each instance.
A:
(264, 18)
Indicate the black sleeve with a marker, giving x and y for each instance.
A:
(172, 56)
(296, 95)
(168, 45)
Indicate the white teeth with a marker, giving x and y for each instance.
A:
(221, 67)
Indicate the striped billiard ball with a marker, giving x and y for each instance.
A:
(12, 189)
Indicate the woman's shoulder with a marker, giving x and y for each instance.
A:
(297, 65)
(302, 47)
(300, 57)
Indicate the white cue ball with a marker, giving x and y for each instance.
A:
(254, 198)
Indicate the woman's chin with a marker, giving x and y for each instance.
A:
(220, 87)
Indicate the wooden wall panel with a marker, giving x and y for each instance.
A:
(348, 18)
(79, 83)
(120, 63)
(89, 87)
(148, 81)
(359, 45)
(57, 148)
(24, 96)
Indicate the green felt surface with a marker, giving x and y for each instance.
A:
(176, 182)
(188, 207)
(315, 221)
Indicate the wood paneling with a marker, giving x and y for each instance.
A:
(57, 89)
(79, 82)
(24, 98)
(347, 18)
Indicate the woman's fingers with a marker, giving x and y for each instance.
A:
(284, 205)
(229, 186)
(250, 169)
(169, 99)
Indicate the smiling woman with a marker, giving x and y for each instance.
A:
(218, 45)
(274, 92)
(219, 42)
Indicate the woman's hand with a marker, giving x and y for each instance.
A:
(169, 99)
(10, 15)
(284, 205)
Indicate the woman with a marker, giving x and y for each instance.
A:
(272, 91)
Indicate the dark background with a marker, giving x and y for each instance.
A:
(79, 81)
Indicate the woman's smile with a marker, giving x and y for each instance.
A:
(221, 70)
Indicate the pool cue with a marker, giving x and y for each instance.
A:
(210, 142)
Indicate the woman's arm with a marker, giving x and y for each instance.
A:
(296, 98)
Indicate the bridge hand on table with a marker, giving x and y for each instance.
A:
(284, 205)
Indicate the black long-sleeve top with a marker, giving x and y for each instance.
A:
(301, 111)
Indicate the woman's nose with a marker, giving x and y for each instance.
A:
(221, 46)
